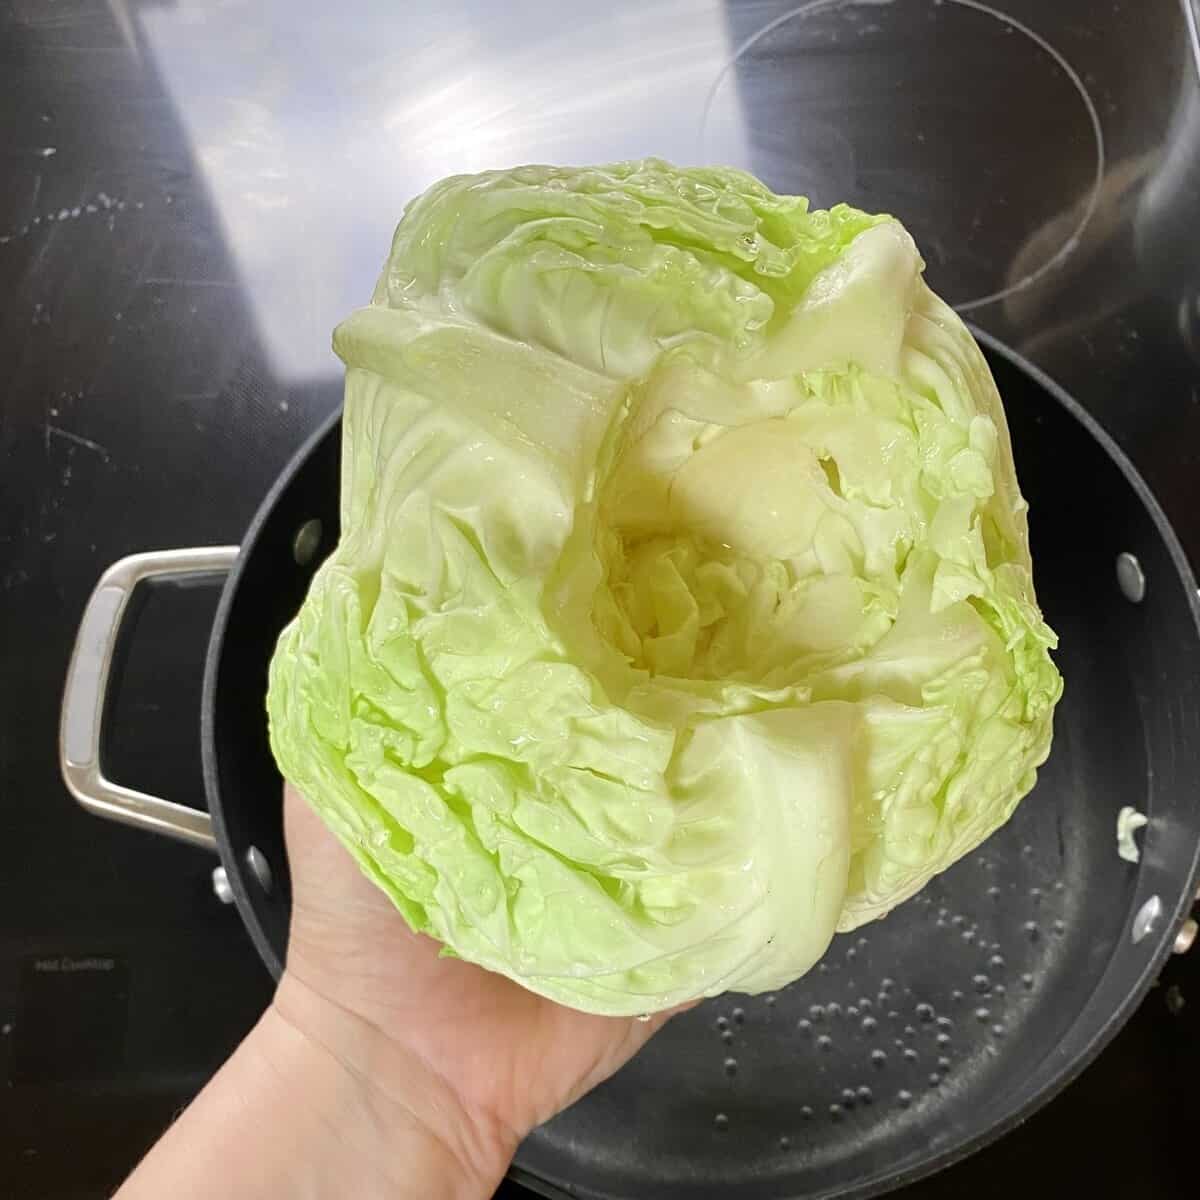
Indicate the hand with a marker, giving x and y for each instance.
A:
(488, 1059)
(380, 1070)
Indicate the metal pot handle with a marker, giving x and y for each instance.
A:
(87, 690)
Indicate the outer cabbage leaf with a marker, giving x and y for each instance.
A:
(683, 609)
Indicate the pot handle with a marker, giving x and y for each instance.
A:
(86, 694)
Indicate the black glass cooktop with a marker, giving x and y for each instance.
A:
(193, 192)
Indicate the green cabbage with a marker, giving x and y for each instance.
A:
(683, 610)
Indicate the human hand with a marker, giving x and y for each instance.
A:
(380, 1070)
(474, 1056)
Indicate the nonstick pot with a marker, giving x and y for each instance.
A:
(919, 1038)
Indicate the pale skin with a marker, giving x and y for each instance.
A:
(380, 1069)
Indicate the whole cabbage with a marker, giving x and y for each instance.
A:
(683, 610)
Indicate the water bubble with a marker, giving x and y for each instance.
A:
(879, 1058)
(968, 935)
(816, 1012)
(1058, 885)
(825, 1042)
(833, 1008)
(1027, 850)
(957, 996)
(1031, 930)
(862, 941)
(806, 1112)
(886, 984)
(934, 1079)
(957, 920)
(835, 1112)
(848, 1097)
(869, 1024)
(910, 1054)
(785, 1142)
(739, 1015)
(982, 984)
(1035, 894)
(994, 892)
(1027, 980)
(904, 1097)
(996, 962)
(721, 1122)
(909, 1031)
(925, 1012)
(823, 968)
(864, 1002)
(727, 1037)
(1000, 990)
(1060, 927)
(943, 1039)
(722, 1024)
(893, 1015)
(851, 954)
(943, 913)
(851, 1011)
(994, 947)
(943, 1063)
(899, 1043)
(945, 1023)
(731, 1066)
(865, 1095)
(804, 1025)
(998, 1030)
(771, 1004)
(982, 1014)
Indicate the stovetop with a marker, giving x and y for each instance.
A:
(195, 192)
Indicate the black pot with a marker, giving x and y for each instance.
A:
(919, 1038)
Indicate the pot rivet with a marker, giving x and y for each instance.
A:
(1130, 577)
(256, 860)
(1186, 936)
(307, 541)
(1147, 918)
(220, 885)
